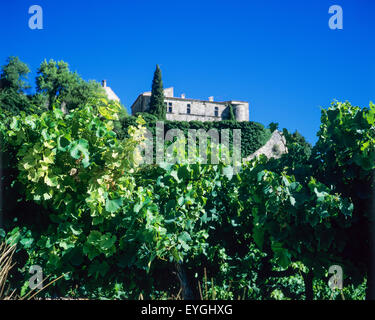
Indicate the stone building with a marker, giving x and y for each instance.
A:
(185, 109)
(110, 94)
(275, 147)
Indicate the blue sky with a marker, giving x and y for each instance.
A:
(281, 56)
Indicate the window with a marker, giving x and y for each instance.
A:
(188, 109)
(216, 111)
(169, 107)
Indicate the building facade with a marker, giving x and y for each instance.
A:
(109, 92)
(184, 109)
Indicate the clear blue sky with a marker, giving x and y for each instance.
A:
(280, 56)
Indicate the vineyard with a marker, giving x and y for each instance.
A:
(77, 202)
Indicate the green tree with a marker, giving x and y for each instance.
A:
(273, 126)
(59, 84)
(13, 86)
(14, 75)
(231, 113)
(157, 106)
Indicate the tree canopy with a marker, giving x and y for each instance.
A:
(14, 75)
(13, 86)
(58, 83)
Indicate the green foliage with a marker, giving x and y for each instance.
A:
(273, 126)
(181, 192)
(253, 134)
(12, 102)
(344, 157)
(116, 229)
(347, 140)
(14, 75)
(13, 83)
(56, 86)
(285, 211)
(74, 166)
(231, 113)
(59, 84)
(157, 106)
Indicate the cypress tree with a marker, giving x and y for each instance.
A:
(231, 113)
(157, 106)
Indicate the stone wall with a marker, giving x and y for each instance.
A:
(274, 148)
(200, 110)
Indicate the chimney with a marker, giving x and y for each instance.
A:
(168, 92)
(183, 96)
(104, 83)
(211, 98)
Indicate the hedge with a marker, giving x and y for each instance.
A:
(253, 135)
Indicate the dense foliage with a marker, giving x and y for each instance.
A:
(344, 157)
(111, 226)
(78, 203)
(56, 85)
(253, 134)
(13, 86)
